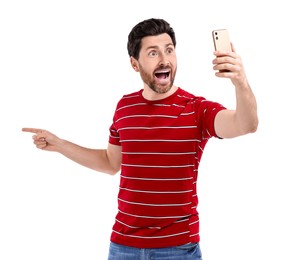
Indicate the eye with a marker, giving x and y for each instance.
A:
(170, 50)
(152, 53)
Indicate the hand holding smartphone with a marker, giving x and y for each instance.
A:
(221, 41)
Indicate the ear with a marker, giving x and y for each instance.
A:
(134, 64)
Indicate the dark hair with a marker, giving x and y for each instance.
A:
(149, 27)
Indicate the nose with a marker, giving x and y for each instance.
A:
(163, 60)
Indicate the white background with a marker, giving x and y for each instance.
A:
(63, 67)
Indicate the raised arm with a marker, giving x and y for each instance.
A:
(102, 160)
(244, 119)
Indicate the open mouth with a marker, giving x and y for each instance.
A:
(162, 74)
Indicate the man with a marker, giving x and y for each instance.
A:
(157, 139)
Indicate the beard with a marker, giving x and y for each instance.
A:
(151, 83)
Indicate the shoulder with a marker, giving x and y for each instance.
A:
(183, 94)
(199, 102)
(132, 95)
(128, 99)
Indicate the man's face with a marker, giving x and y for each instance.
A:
(157, 62)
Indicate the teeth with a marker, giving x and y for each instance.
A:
(163, 71)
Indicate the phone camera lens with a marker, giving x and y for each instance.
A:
(217, 38)
(216, 33)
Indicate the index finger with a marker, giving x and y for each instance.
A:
(32, 130)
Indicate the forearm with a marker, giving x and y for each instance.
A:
(246, 109)
(95, 159)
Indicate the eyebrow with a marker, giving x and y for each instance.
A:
(156, 47)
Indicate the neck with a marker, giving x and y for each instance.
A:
(151, 95)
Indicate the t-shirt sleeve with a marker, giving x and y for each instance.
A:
(207, 111)
(114, 135)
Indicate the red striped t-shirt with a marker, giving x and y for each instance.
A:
(162, 142)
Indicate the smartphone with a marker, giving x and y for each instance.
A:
(221, 40)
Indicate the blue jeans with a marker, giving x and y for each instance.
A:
(189, 251)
